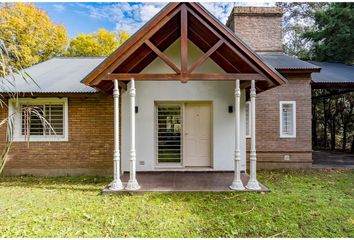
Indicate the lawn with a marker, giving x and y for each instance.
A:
(303, 203)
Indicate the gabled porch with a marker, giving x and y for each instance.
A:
(189, 24)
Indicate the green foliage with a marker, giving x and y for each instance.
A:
(333, 119)
(100, 43)
(333, 38)
(298, 18)
(302, 203)
(30, 33)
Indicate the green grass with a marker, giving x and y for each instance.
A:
(303, 203)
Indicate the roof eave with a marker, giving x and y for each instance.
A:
(298, 70)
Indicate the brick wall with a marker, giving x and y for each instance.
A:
(270, 147)
(259, 27)
(90, 146)
(88, 151)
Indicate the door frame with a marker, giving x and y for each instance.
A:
(181, 165)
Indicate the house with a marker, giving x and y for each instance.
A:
(189, 94)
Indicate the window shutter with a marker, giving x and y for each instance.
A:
(169, 130)
(54, 115)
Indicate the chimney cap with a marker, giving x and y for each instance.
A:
(265, 11)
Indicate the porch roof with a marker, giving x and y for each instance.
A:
(187, 21)
(63, 74)
(333, 76)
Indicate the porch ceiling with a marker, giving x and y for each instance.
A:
(187, 21)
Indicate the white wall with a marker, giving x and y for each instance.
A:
(220, 93)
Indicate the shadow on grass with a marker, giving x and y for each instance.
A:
(82, 183)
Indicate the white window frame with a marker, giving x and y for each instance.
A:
(17, 135)
(282, 135)
(248, 107)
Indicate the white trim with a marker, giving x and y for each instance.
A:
(282, 135)
(248, 120)
(18, 137)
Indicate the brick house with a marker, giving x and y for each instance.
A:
(189, 94)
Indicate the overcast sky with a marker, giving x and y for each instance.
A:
(88, 17)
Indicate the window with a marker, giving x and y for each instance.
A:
(248, 119)
(169, 133)
(287, 119)
(42, 119)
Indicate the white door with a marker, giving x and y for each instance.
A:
(197, 135)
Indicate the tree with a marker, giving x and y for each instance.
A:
(333, 119)
(7, 76)
(29, 31)
(333, 37)
(298, 18)
(100, 43)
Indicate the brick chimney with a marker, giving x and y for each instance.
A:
(259, 27)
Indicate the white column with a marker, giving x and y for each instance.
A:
(253, 183)
(132, 183)
(117, 183)
(237, 183)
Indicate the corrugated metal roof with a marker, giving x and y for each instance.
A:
(333, 73)
(62, 74)
(282, 61)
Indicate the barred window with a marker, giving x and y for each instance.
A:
(169, 130)
(42, 120)
(39, 119)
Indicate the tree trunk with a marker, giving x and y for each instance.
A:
(333, 133)
(346, 121)
(324, 124)
(344, 141)
(314, 126)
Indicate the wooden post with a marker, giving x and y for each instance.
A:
(116, 184)
(132, 183)
(237, 183)
(253, 183)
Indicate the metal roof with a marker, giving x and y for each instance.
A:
(281, 61)
(333, 73)
(62, 74)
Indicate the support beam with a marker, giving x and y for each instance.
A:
(203, 58)
(253, 183)
(184, 39)
(132, 183)
(131, 47)
(116, 185)
(237, 183)
(278, 79)
(235, 69)
(162, 56)
(223, 39)
(188, 77)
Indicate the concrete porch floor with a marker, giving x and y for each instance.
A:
(184, 182)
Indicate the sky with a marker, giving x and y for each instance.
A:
(80, 17)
